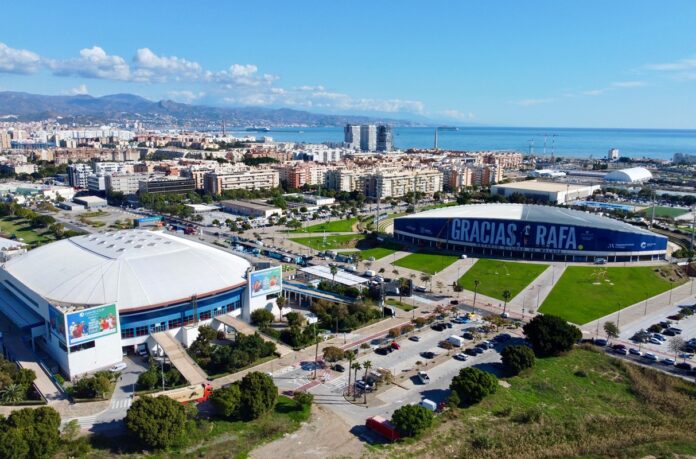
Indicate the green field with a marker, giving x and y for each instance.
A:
(584, 294)
(400, 305)
(377, 252)
(661, 211)
(582, 404)
(497, 276)
(337, 226)
(426, 262)
(23, 230)
(339, 241)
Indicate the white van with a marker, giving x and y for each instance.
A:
(351, 268)
(428, 404)
(369, 273)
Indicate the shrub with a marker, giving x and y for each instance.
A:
(156, 421)
(227, 401)
(395, 332)
(408, 328)
(473, 385)
(482, 442)
(258, 395)
(303, 398)
(655, 328)
(530, 415)
(551, 335)
(411, 420)
(261, 317)
(333, 354)
(32, 433)
(517, 358)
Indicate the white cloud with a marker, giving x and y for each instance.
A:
(457, 115)
(240, 75)
(681, 64)
(19, 61)
(151, 67)
(595, 92)
(185, 96)
(533, 101)
(80, 90)
(93, 62)
(628, 84)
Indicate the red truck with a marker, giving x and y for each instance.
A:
(383, 427)
(190, 230)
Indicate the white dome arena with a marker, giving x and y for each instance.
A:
(135, 269)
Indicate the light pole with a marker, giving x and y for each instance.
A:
(646, 306)
(476, 284)
(670, 293)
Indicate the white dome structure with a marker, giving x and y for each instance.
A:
(632, 175)
(133, 268)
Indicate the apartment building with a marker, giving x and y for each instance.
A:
(345, 179)
(5, 141)
(124, 183)
(456, 178)
(78, 175)
(255, 179)
(166, 185)
(397, 183)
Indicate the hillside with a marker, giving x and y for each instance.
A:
(129, 107)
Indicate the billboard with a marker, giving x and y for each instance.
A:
(56, 321)
(266, 281)
(89, 324)
(530, 236)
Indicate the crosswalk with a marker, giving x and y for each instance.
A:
(121, 404)
(84, 422)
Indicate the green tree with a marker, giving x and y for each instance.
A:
(473, 385)
(39, 428)
(333, 353)
(303, 398)
(158, 422)
(550, 335)
(506, 298)
(334, 271)
(611, 329)
(258, 395)
(207, 333)
(227, 401)
(411, 420)
(295, 318)
(262, 317)
(148, 380)
(517, 358)
(12, 393)
(13, 444)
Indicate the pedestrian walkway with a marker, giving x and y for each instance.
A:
(26, 358)
(180, 358)
(122, 404)
(534, 294)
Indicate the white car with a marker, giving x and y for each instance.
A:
(423, 377)
(118, 367)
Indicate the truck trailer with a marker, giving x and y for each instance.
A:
(196, 394)
(383, 427)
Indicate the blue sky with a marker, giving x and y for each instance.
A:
(624, 63)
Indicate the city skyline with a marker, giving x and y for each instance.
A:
(577, 65)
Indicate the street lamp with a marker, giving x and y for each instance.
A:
(670, 293)
(476, 284)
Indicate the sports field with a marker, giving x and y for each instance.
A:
(661, 211)
(426, 262)
(585, 293)
(342, 241)
(496, 276)
(336, 226)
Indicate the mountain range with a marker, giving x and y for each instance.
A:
(123, 108)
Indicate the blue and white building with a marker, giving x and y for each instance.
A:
(87, 299)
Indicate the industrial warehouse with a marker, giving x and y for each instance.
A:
(530, 232)
(88, 299)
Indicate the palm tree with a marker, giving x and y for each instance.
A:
(350, 357)
(357, 258)
(476, 286)
(356, 367)
(280, 302)
(366, 365)
(395, 272)
(506, 298)
(426, 278)
(12, 393)
(334, 270)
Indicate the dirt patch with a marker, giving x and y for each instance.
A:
(326, 435)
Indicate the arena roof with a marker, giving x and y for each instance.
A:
(634, 174)
(530, 213)
(134, 268)
(553, 187)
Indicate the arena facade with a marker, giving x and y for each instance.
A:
(88, 299)
(531, 232)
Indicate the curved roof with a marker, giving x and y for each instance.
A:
(634, 174)
(530, 213)
(134, 268)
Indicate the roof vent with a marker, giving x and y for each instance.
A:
(121, 249)
(139, 246)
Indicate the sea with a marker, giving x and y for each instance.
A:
(565, 142)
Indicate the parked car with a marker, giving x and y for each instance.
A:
(454, 302)
(504, 315)
(414, 338)
(461, 356)
(676, 330)
(600, 342)
(667, 361)
(650, 356)
(118, 367)
(364, 386)
(395, 345)
(618, 346)
(338, 367)
(471, 351)
(634, 351)
(668, 332)
(659, 336)
(423, 377)
(478, 350)
(383, 350)
(683, 366)
(621, 351)
(428, 355)
(654, 341)
(468, 335)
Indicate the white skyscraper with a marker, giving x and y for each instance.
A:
(368, 137)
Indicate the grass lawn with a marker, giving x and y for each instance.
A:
(497, 276)
(23, 230)
(376, 252)
(582, 404)
(341, 241)
(336, 226)
(430, 263)
(400, 305)
(661, 211)
(577, 298)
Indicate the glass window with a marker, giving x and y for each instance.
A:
(205, 315)
(141, 331)
(188, 320)
(175, 323)
(127, 333)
